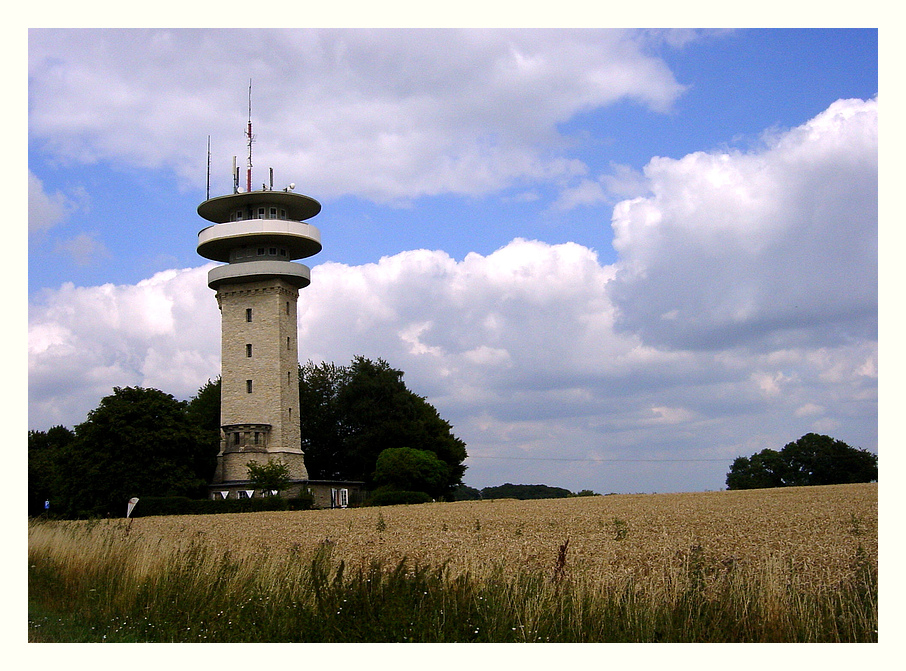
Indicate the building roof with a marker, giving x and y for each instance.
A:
(298, 207)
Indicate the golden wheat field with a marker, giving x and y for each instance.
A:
(814, 532)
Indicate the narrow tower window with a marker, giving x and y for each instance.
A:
(248, 350)
(248, 386)
(287, 342)
(287, 307)
(248, 314)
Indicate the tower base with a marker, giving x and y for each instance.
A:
(233, 466)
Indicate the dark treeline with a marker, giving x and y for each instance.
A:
(511, 491)
(145, 442)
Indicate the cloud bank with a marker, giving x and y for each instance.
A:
(741, 314)
(764, 249)
(379, 105)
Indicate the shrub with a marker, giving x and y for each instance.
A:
(393, 497)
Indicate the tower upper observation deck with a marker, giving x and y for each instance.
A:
(259, 233)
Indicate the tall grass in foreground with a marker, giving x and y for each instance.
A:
(108, 583)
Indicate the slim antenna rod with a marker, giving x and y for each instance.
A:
(208, 194)
(251, 139)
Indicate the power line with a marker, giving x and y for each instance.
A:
(597, 461)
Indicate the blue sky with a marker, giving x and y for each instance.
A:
(614, 260)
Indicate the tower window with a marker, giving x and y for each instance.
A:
(273, 251)
(287, 307)
(239, 215)
(273, 213)
(248, 386)
(282, 252)
(248, 314)
(283, 214)
(287, 342)
(248, 350)
(261, 213)
(261, 251)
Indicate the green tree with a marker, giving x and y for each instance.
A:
(272, 476)
(766, 469)
(466, 493)
(321, 421)
(812, 460)
(821, 460)
(406, 469)
(137, 442)
(203, 412)
(511, 491)
(44, 453)
(349, 415)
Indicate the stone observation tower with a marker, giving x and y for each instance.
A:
(258, 234)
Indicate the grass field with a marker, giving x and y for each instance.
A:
(790, 564)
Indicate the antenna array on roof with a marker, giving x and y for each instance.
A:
(251, 139)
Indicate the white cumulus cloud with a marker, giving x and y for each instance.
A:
(773, 246)
(83, 341)
(45, 210)
(374, 113)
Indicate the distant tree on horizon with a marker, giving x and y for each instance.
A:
(812, 460)
(524, 492)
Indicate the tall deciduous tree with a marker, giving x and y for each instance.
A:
(812, 460)
(44, 453)
(203, 412)
(136, 442)
(349, 415)
(321, 420)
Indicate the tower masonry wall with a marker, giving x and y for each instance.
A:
(263, 350)
(233, 466)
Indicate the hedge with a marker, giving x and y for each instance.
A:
(181, 505)
(393, 497)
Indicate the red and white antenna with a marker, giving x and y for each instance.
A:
(251, 139)
(208, 194)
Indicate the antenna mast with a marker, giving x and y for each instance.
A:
(208, 194)
(251, 139)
